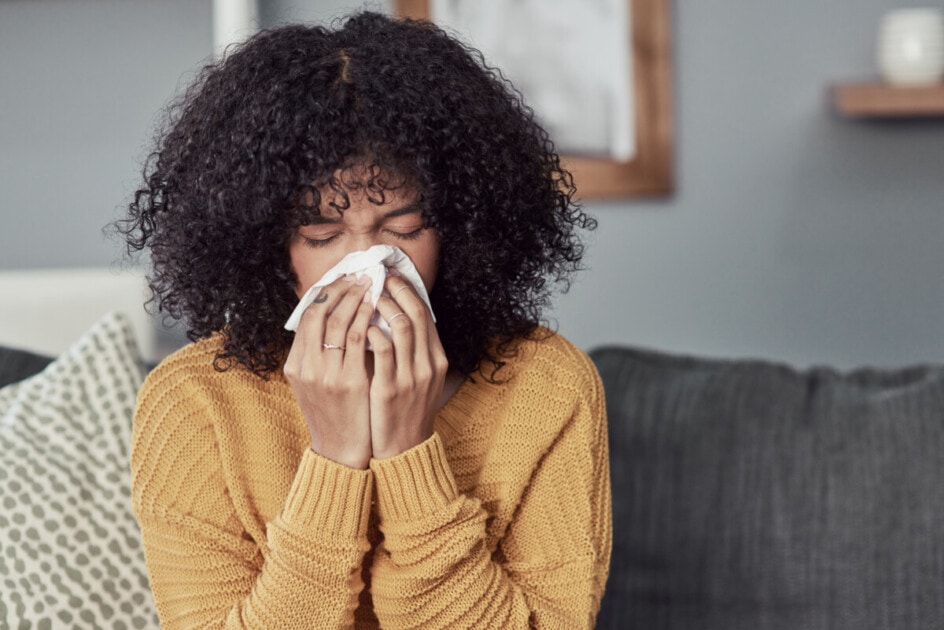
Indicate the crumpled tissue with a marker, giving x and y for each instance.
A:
(373, 263)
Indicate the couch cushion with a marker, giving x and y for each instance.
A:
(749, 495)
(70, 554)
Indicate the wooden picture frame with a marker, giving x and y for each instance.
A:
(650, 172)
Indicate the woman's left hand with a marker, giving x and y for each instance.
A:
(409, 372)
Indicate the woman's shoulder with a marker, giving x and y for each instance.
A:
(550, 350)
(194, 358)
(546, 385)
(548, 359)
(187, 392)
(193, 368)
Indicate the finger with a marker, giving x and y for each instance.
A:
(429, 356)
(307, 348)
(437, 352)
(312, 325)
(384, 362)
(356, 341)
(339, 320)
(401, 329)
(408, 301)
(395, 285)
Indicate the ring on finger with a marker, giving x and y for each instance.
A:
(331, 346)
(397, 292)
(400, 314)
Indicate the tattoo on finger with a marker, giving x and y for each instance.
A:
(321, 298)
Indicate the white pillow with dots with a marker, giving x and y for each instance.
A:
(70, 551)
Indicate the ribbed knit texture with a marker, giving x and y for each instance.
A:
(501, 520)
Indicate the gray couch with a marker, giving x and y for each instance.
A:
(752, 496)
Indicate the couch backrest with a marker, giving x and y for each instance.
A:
(749, 495)
(45, 310)
(15, 364)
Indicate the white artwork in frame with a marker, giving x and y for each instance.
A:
(572, 65)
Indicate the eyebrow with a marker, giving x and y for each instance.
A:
(410, 208)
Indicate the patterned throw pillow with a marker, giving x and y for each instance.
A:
(70, 554)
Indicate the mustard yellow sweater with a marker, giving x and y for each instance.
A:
(501, 519)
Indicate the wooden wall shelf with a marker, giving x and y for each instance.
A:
(880, 100)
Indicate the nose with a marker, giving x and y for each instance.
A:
(363, 241)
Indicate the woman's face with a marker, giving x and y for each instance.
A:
(317, 247)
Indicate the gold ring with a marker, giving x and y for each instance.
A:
(405, 286)
(401, 313)
(331, 346)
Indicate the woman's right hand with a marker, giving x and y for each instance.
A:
(332, 385)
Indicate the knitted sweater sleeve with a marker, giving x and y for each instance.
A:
(433, 569)
(204, 571)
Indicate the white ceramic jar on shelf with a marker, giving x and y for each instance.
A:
(911, 46)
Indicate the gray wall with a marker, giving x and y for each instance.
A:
(81, 82)
(793, 234)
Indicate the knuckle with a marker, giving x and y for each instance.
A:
(334, 326)
(308, 379)
(355, 337)
(384, 347)
(331, 383)
(400, 323)
(384, 397)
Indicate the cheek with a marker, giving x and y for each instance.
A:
(309, 266)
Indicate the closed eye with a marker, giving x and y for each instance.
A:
(407, 236)
(319, 242)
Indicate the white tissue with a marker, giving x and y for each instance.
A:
(372, 263)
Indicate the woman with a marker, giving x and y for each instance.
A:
(453, 475)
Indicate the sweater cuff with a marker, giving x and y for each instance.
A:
(328, 498)
(414, 483)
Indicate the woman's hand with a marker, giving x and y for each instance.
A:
(409, 372)
(327, 372)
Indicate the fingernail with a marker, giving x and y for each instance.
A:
(367, 296)
(363, 280)
(393, 272)
(348, 277)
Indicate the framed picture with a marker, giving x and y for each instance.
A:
(598, 79)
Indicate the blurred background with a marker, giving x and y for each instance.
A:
(793, 233)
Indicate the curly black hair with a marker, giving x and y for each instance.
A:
(286, 111)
